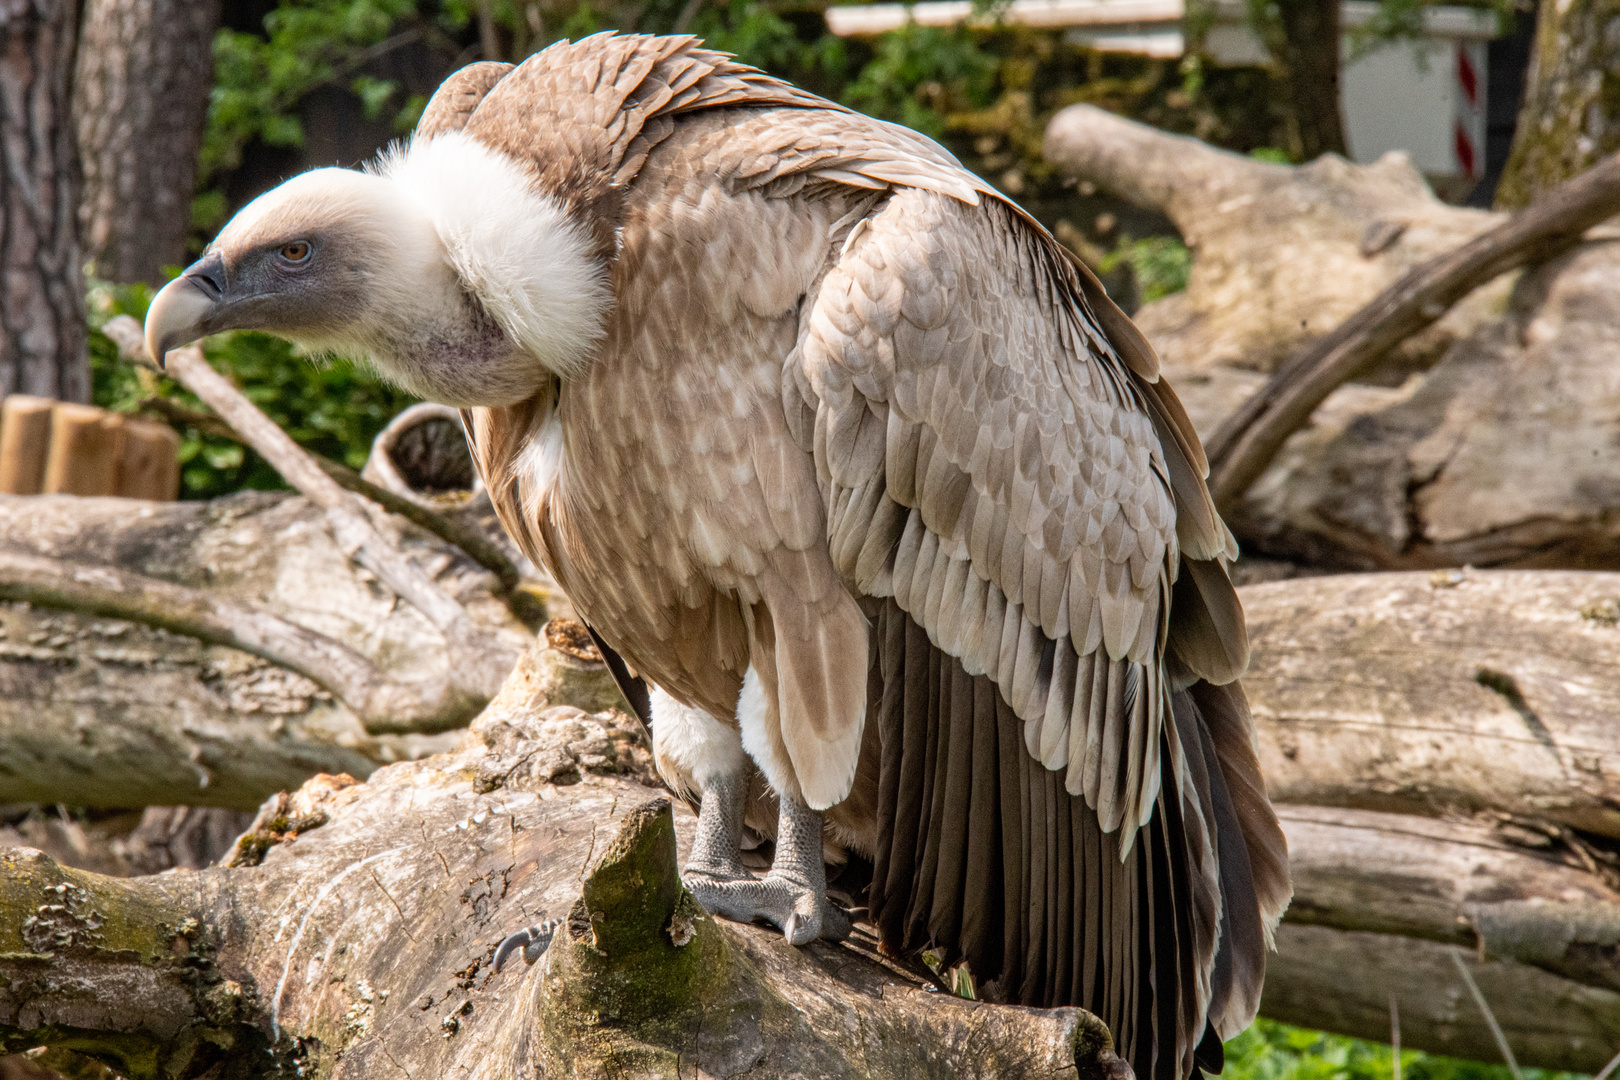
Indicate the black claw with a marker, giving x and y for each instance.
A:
(533, 940)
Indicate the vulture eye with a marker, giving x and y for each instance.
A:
(295, 252)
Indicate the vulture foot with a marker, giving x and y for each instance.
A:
(792, 896)
(803, 912)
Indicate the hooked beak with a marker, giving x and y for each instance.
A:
(183, 309)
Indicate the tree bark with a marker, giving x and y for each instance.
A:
(367, 938)
(382, 703)
(477, 665)
(1441, 693)
(1344, 980)
(1571, 113)
(42, 327)
(179, 722)
(1381, 899)
(145, 71)
(1305, 46)
(367, 932)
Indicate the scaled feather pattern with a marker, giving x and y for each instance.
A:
(844, 408)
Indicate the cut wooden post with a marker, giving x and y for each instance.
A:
(86, 443)
(25, 438)
(149, 467)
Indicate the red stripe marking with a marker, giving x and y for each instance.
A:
(1465, 151)
(1466, 76)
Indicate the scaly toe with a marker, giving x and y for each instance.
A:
(533, 940)
(797, 909)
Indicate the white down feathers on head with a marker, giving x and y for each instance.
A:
(515, 249)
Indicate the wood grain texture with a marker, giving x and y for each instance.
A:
(1249, 439)
(179, 722)
(25, 442)
(87, 445)
(370, 937)
(1411, 692)
(1343, 981)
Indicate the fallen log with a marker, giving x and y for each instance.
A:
(1495, 449)
(351, 899)
(1250, 438)
(1343, 981)
(486, 542)
(477, 662)
(125, 843)
(103, 712)
(382, 703)
(1502, 888)
(368, 937)
(1448, 692)
(1281, 254)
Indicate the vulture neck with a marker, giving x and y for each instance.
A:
(509, 292)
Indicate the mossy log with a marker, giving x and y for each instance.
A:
(1485, 440)
(361, 944)
(105, 712)
(353, 930)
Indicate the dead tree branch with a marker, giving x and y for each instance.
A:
(1250, 438)
(485, 552)
(479, 665)
(174, 721)
(382, 703)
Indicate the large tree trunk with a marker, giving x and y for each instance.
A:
(1571, 112)
(42, 331)
(141, 98)
(1305, 44)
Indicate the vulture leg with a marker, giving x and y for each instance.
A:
(717, 848)
(793, 895)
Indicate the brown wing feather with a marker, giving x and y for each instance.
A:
(452, 104)
(982, 412)
(997, 461)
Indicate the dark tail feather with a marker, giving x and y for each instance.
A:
(985, 858)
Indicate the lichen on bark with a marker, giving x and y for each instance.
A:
(1571, 112)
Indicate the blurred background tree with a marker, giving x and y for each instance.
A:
(42, 337)
(1571, 112)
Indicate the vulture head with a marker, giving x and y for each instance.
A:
(441, 265)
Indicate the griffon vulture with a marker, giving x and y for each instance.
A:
(839, 449)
